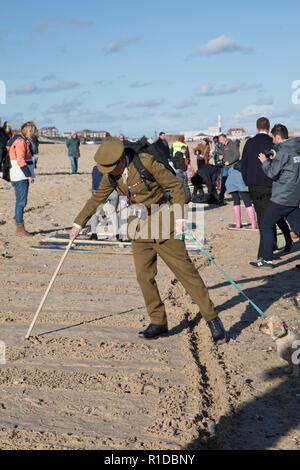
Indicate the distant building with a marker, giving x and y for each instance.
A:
(211, 131)
(67, 135)
(88, 134)
(171, 138)
(49, 132)
(236, 133)
(294, 133)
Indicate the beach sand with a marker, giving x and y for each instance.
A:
(85, 380)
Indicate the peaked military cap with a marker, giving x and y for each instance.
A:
(108, 155)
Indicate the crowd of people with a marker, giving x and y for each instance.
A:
(263, 172)
(250, 171)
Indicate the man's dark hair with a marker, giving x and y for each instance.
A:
(280, 129)
(162, 133)
(263, 124)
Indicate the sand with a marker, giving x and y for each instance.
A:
(85, 380)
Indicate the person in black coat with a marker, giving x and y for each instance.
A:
(4, 159)
(163, 146)
(207, 174)
(259, 185)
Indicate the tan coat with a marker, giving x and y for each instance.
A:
(205, 152)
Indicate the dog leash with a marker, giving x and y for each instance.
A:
(191, 237)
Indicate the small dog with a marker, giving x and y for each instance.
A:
(285, 341)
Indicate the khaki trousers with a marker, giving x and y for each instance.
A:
(174, 254)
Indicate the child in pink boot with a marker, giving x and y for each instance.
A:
(237, 196)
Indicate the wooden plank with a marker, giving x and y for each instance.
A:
(55, 240)
(78, 250)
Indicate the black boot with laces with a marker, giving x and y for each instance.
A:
(154, 331)
(218, 331)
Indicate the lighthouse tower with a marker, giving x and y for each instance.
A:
(219, 123)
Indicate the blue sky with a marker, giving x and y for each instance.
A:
(140, 66)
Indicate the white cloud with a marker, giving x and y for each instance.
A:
(104, 82)
(137, 84)
(114, 104)
(86, 117)
(264, 101)
(254, 110)
(115, 46)
(145, 103)
(220, 45)
(42, 25)
(34, 89)
(27, 89)
(61, 86)
(48, 77)
(188, 103)
(209, 90)
(66, 107)
(51, 21)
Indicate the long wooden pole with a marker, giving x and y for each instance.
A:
(48, 290)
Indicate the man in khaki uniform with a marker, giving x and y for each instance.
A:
(141, 195)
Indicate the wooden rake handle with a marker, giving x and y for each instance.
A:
(48, 290)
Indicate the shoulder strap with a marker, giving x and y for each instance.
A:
(144, 173)
(13, 139)
(112, 181)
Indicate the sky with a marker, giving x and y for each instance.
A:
(138, 67)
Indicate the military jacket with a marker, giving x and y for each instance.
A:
(140, 199)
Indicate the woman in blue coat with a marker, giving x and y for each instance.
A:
(73, 145)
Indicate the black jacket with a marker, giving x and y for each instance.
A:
(4, 158)
(251, 167)
(207, 174)
(179, 161)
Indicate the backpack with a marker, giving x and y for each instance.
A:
(153, 149)
(179, 161)
(14, 138)
(5, 164)
(131, 151)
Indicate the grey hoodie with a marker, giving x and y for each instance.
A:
(284, 170)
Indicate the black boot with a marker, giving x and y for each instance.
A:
(154, 331)
(218, 331)
(288, 246)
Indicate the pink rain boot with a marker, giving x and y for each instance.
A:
(237, 215)
(251, 215)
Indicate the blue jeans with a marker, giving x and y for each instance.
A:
(225, 170)
(21, 192)
(74, 163)
(273, 214)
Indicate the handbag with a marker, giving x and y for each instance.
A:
(190, 171)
